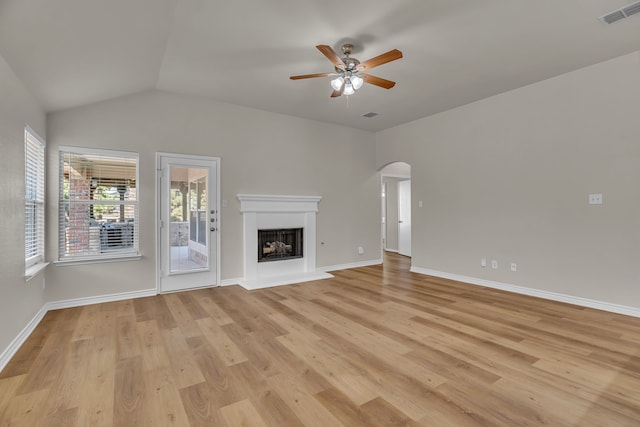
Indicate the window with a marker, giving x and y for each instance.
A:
(198, 209)
(98, 204)
(33, 202)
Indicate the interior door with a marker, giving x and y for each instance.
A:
(404, 217)
(188, 222)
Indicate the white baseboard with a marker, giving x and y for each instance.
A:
(77, 302)
(17, 342)
(583, 302)
(230, 282)
(351, 265)
(395, 251)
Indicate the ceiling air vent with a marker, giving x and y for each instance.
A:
(621, 13)
(370, 114)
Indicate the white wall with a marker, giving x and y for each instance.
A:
(20, 301)
(508, 177)
(260, 152)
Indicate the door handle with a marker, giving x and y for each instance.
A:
(399, 222)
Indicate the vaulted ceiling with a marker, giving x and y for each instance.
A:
(75, 52)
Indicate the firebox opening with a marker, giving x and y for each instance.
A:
(280, 244)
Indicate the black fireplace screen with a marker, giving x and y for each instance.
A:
(276, 245)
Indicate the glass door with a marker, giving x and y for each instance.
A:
(188, 222)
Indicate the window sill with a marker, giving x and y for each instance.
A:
(33, 271)
(102, 260)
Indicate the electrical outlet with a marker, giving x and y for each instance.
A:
(514, 266)
(483, 262)
(595, 199)
(360, 250)
(494, 264)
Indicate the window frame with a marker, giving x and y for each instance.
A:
(34, 201)
(110, 255)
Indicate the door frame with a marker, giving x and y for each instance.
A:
(407, 250)
(383, 207)
(158, 212)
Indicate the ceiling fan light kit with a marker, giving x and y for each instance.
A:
(350, 72)
(348, 89)
(336, 83)
(357, 82)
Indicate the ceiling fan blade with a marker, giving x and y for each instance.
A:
(392, 55)
(378, 81)
(310, 76)
(337, 93)
(331, 56)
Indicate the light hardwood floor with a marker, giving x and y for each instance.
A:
(375, 346)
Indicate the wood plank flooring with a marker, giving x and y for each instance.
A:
(375, 346)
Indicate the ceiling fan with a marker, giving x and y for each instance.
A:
(350, 73)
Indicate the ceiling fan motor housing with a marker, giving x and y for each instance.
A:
(350, 63)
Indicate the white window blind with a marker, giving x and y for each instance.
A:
(33, 198)
(98, 204)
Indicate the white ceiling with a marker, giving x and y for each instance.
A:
(74, 52)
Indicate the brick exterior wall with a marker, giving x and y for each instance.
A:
(80, 236)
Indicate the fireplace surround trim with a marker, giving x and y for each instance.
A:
(272, 203)
(261, 211)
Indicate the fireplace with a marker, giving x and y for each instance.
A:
(280, 244)
(291, 220)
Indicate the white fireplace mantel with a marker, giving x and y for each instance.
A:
(272, 211)
(265, 203)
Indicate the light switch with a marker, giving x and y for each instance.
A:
(595, 199)
(420, 204)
